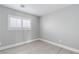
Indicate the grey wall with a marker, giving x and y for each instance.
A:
(62, 26)
(8, 37)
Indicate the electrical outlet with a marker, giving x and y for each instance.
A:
(60, 40)
(0, 43)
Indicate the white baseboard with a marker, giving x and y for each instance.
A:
(17, 44)
(60, 45)
(53, 43)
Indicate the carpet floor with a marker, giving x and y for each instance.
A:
(36, 47)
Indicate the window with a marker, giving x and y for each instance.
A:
(14, 22)
(26, 24)
(19, 23)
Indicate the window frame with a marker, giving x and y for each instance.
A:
(26, 28)
(18, 28)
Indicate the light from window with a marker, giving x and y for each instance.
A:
(19, 23)
(15, 22)
(26, 24)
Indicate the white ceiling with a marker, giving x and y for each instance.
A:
(37, 9)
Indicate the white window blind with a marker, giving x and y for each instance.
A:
(26, 24)
(14, 22)
(19, 23)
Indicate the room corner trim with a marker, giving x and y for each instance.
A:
(17, 44)
(60, 45)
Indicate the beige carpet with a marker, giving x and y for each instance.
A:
(36, 47)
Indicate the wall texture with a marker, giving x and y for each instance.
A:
(62, 26)
(8, 37)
